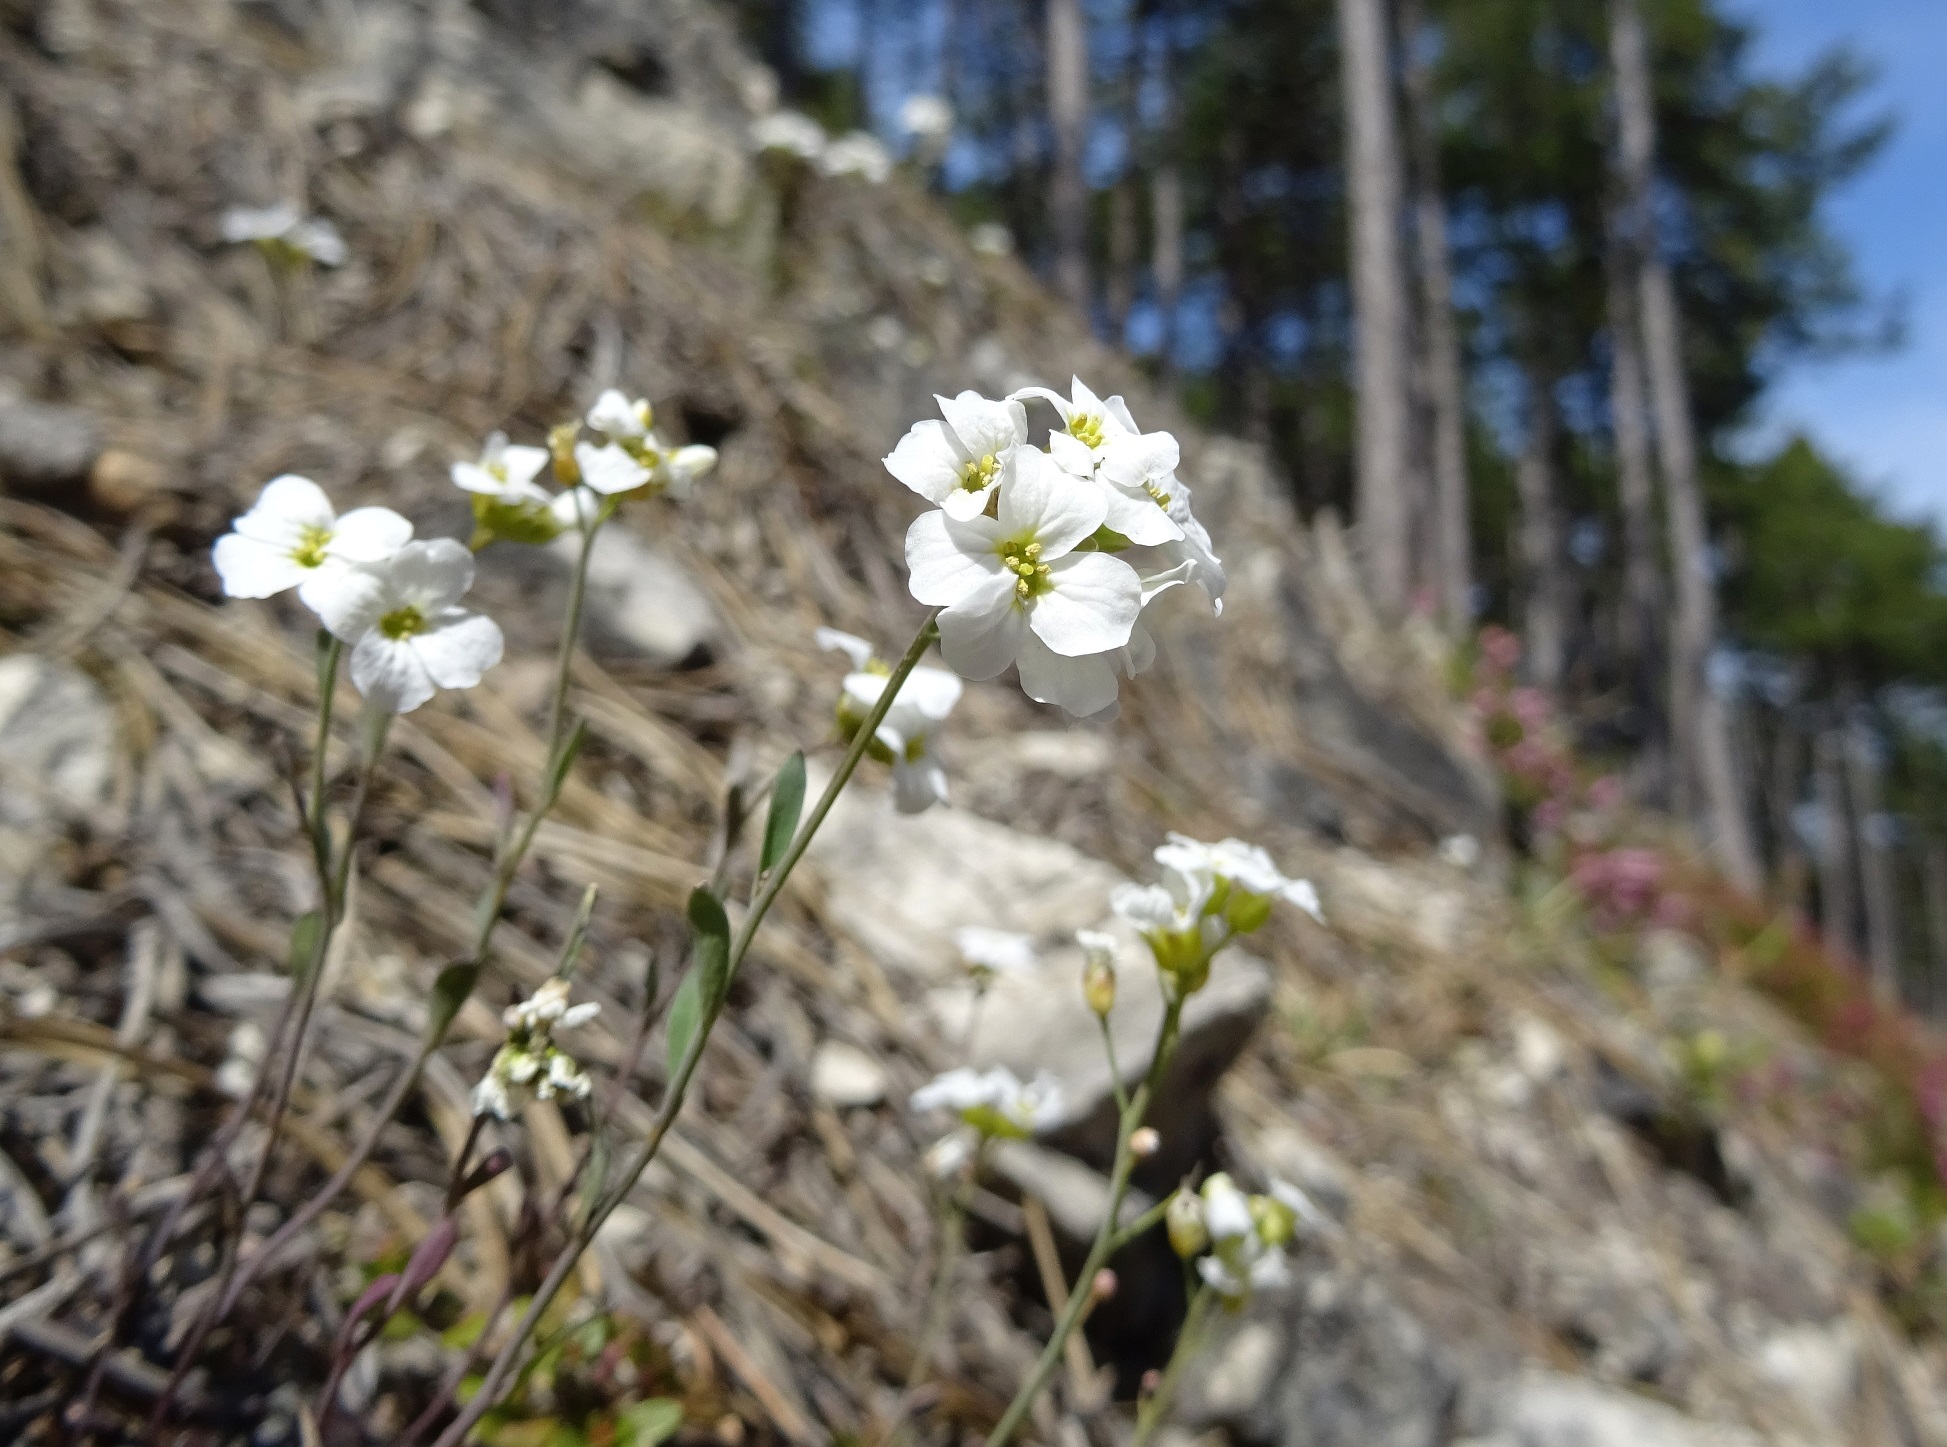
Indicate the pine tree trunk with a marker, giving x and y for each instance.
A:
(1544, 614)
(1446, 388)
(1835, 842)
(1372, 167)
(1642, 598)
(1933, 891)
(1875, 865)
(1166, 200)
(1705, 772)
(1068, 120)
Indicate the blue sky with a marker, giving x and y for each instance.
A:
(1884, 416)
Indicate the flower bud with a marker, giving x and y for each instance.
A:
(561, 448)
(1245, 912)
(1184, 1222)
(1144, 1143)
(1276, 1222)
(1102, 1287)
(1098, 986)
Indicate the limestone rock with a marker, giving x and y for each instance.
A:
(844, 1075)
(643, 599)
(43, 445)
(1546, 1409)
(57, 742)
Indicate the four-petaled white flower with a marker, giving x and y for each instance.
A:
(619, 418)
(610, 468)
(1089, 422)
(281, 226)
(958, 463)
(860, 154)
(1014, 589)
(791, 132)
(906, 732)
(1242, 1260)
(548, 1009)
(1245, 867)
(835, 640)
(292, 538)
(505, 473)
(994, 1102)
(1174, 906)
(409, 637)
(529, 1065)
(990, 951)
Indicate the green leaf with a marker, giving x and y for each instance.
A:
(685, 1010)
(712, 948)
(787, 802)
(646, 1424)
(305, 935)
(450, 991)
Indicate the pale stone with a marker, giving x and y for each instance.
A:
(844, 1075)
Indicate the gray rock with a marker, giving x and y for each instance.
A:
(844, 1075)
(1547, 1409)
(644, 600)
(57, 742)
(42, 445)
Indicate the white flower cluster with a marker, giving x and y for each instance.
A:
(792, 133)
(993, 952)
(395, 600)
(1244, 1235)
(282, 230)
(904, 737)
(1209, 893)
(530, 1066)
(994, 1102)
(1045, 560)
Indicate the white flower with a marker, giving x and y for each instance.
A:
(609, 469)
(1195, 549)
(618, 418)
(857, 154)
(995, 951)
(1086, 419)
(575, 508)
(906, 732)
(1014, 588)
(1259, 1271)
(994, 1102)
(947, 1155)
(505, 472)
(928, 118)
(990, 238)
(291, 538)
(491, 1097)
(1241, 1261)
(1098, 946)
(1173, 906)
(281, 225)
(1244, 866)
(409, 638)
(792, 132)
(548, 1010)
(683, 467)
(833, 640)
(958, 463)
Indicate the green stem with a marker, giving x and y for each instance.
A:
(314, 815)
(486, 918)
(1107, 1236)
(1150, 1415)
(504, 1361)
(1115, 1069)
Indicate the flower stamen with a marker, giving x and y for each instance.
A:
(311, 545)
(402, 623)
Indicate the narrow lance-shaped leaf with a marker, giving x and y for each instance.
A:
(685, 1010)
(712, 947)
(305, 935)
(450, 992)
(787, 802)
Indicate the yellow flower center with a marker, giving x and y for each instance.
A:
(915, 748)
(1086, 428)
(977, 474)
(1030, 573)
(311, 545)
(402, 623)
(1157, 495)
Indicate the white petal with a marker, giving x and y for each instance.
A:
(948, 558)
(523, 464)
(1137, 517)
(609, 469)
(981, 636)
(472, 477)
(574, 508)
(253, 569)
(964, 506)
(931, 691)
(1071, 454)
(1081, 686)
(1145, 906)
(615, 415)
(1040, 501)
(928, 461)
(850, 644)
(349, 600)
(1117, 412)
(432, 575)
(917, 785)
(369, 534)
(985, 427)
(458, 648)
(1092, 607)
(1046, 394)
(686, 464)
(1195, 548)
(285, 509)
(1131, 461)
(388, 672)
(1138, 655)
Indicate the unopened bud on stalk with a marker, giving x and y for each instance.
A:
(1184, 1221)
(1144, 1143)
(1152, 1379)
(561, 449)
(1098, 970)
(1102, 1287)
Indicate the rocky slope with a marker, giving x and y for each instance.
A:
(1539, 1227)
